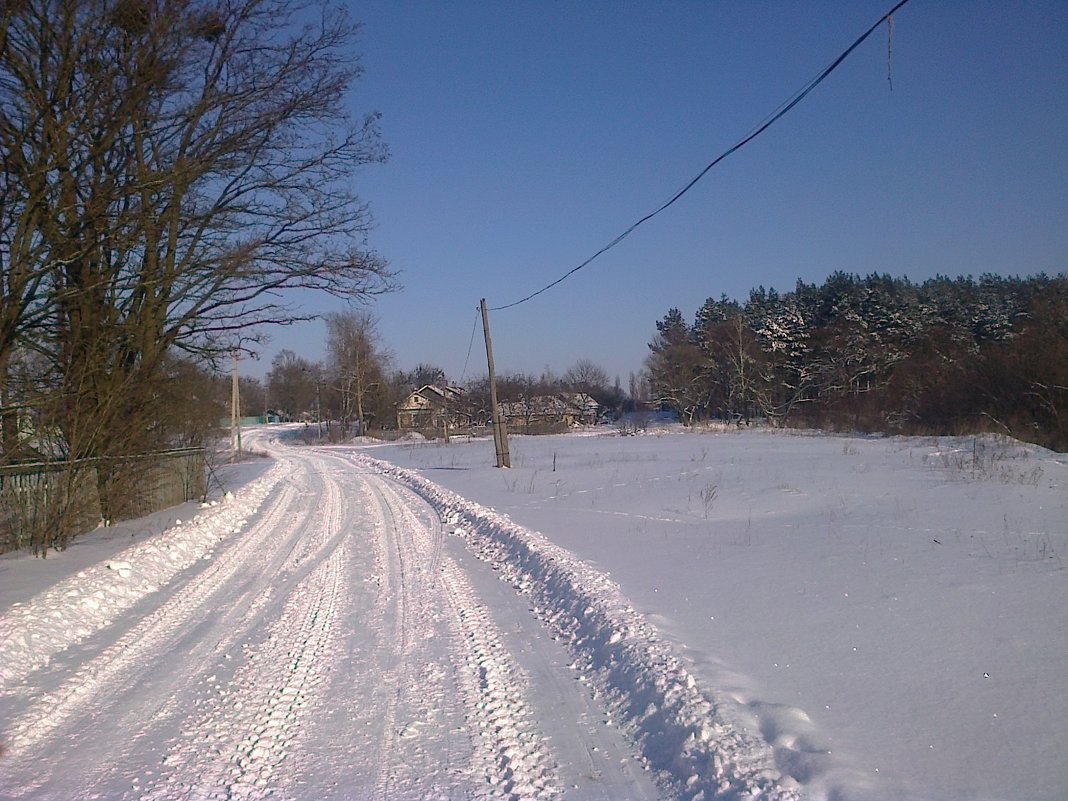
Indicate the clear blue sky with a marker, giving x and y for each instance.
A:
(526, 135)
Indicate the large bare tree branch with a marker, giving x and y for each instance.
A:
(168, 169)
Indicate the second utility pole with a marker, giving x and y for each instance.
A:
(235, 413)
(500, 436)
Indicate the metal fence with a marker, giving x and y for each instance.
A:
(44, 504)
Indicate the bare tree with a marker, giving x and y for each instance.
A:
(590, 378)
(169, 168)
(426, 374)
(586, 376)
(638, 387)
(291, 383)
(253, 394)
(734, 366)
(357, 363)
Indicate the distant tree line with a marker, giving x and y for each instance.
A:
(353, 387)
(357, 387)
(584, 376)
(876, 353)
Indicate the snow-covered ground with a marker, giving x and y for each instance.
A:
(888, 613)
(318, 635)
(732, 615)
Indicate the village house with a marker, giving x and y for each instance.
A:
(429, 408)
(550, 412)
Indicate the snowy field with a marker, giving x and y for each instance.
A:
(888, 613)
(697, 616)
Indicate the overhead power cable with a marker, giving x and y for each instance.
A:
(469, 345)
(782, 112)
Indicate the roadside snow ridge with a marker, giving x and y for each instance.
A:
(678, 728)
(73, 609)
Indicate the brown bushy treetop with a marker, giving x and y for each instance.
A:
(168, 169)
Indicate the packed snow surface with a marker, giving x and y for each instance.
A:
(888, 614)
(734, 615)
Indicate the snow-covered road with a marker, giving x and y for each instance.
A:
(325, 635)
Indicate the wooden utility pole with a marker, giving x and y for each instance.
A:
(318, 409)
(500, 436)
(235, 414)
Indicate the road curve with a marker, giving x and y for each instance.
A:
(337, 643)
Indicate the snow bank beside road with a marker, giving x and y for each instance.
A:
(75, 608)
(681, 732)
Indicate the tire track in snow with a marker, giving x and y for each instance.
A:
(510, 760)
(272, 546)
(114, 667)
(237, 744)
(77, 607)
(594, 759)
(309, 547)
(248, 729)
(408, 617)
(516, 761)
(678, 728)
(459, 721)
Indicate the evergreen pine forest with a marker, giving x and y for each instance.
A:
(876, 353)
